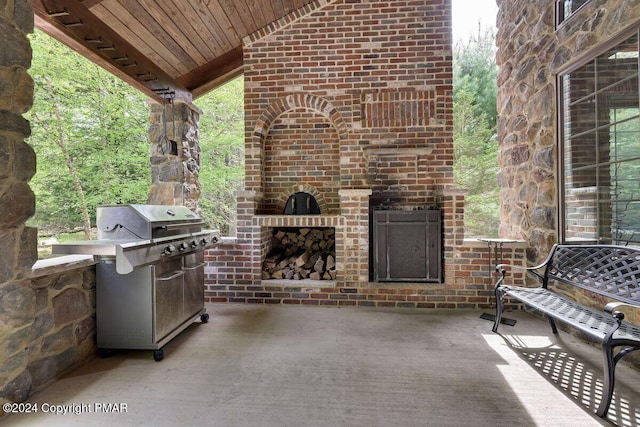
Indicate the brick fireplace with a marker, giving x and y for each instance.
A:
(353, 106)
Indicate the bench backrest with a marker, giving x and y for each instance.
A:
(612, 271)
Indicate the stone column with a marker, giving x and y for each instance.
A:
(17, 202)
(175, 157)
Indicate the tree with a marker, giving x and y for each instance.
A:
(475, 139)
(89, 133)
(222, 144)
(475, 69)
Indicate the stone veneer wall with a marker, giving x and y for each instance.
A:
(372, 82)
(174, 176)
(52, 326)
(17, 201)
(530, 53)
(46, 319)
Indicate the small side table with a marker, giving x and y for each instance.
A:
(496, 247)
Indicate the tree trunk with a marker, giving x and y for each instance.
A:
(61, 142)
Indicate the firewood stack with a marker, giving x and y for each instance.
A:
(301, 253)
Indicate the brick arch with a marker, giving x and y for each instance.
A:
(305, 188)
(299, 100)
(274, 200)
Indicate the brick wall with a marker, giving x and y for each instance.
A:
(353, 101)
(469, 282)
(377, 74)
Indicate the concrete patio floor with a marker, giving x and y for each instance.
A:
(259, 365)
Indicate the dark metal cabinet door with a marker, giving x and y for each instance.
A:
(407, 246)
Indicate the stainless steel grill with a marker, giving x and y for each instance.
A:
(150, 274)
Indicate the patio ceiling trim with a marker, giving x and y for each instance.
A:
(74, 25)
(180, 47)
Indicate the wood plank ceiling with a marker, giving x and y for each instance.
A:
(186, 47)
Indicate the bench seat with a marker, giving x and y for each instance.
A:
(596, 324)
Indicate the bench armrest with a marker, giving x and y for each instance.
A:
(502, 268)
(611, 308)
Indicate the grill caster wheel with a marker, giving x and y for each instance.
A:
(158, 355)
(204, 318)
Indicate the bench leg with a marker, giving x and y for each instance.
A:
(553, 325)
(498, 316)
(609, 380)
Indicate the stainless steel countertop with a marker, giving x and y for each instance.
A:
(89, 247)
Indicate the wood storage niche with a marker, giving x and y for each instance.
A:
(301, 254)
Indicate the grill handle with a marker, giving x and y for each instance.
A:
(180, 225)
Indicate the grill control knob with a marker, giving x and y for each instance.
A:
(204, 242)
(194, 244)
(183, 246)
(169, 249)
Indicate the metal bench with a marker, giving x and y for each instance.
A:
(610, 271)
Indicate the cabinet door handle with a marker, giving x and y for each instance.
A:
(173, 276)
(195, 266)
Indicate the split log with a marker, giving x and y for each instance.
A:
(319, 265)
(312, 260)
(302, 259)
(331, 263)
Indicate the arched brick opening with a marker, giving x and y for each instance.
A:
(294, 101)
(298, 138)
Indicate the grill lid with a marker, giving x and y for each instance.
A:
(144, 221)
(160, 213)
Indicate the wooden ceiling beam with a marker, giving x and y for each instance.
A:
(73, 24)
(211, 75)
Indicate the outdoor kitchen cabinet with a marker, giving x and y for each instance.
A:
(144, 309)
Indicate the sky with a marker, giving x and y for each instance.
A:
(467, 14)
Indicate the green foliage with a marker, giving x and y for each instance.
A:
(89, 134)
(475, 69)
(222, 144)
(89, 131)
(475, 139)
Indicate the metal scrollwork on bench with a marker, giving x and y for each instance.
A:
(607, 270)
